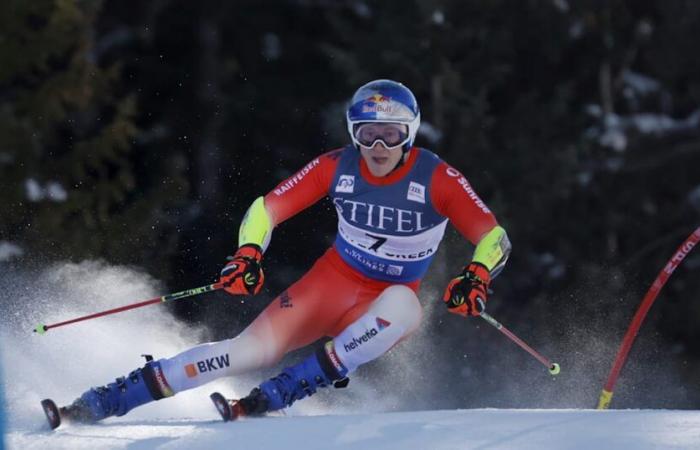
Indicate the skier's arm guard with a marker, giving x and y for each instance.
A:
(493, 250)
(256, 227)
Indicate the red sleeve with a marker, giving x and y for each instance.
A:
(454, 198)
(302, 189)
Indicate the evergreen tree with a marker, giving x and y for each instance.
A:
(67, 130)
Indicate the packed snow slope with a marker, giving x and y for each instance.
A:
(66, 361)
(460, 429)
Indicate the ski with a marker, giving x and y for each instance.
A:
(73, 413)
(253, 405)
(53, 415)
(225, 407)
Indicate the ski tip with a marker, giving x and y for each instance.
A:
(52, 414)
(41, 329)
(222, 406)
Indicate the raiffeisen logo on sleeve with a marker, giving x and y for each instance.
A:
(346, 183)
(294, 180)
(207, 365)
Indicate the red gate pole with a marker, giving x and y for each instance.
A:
(652, 293)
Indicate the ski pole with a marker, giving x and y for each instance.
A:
(41, 329)
(553, 367)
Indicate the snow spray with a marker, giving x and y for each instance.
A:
(64, 364)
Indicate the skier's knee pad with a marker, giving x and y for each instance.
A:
(394, 315)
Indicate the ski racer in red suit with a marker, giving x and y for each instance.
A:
(393, 202)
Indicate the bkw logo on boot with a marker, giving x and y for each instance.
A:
(207, 365)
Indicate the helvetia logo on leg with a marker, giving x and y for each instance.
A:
(369, 334)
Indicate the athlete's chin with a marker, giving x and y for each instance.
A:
(379, 166)
(379, 170)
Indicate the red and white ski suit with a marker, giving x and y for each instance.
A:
(364, 315)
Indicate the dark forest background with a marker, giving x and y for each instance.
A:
(139, 133)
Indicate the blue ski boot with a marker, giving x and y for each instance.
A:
(321, 369)
(116, 399)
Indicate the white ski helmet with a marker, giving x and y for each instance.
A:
(384, 101)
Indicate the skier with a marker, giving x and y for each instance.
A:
(393, 202)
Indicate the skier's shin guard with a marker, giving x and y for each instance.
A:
(141, 386)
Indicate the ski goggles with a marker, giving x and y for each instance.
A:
(392, 135)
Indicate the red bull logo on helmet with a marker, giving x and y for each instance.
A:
(378, 98)
(378, 103)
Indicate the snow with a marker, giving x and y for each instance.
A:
(640, 83)
(430, 132)
(577, 29)
(614, 138)
(459, 429)
(658, 123)
(562, 5)
(53, 191)
(65, 361)
(615, 128)
(693, 198)
(33, 190)
(8, 250)
(438, 17)
(272, 46)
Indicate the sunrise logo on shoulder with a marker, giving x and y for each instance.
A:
(454, 173)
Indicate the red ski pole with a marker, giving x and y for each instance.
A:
(553, 367)
(41, 329)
